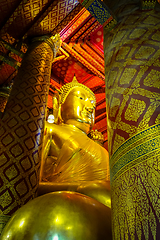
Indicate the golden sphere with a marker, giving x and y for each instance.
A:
(60, 216)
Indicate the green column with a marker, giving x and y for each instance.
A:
(132, 65)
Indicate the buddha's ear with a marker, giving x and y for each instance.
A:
(56, 107)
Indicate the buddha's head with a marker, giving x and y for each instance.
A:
(78, 105)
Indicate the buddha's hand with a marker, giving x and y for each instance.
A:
(96, 136)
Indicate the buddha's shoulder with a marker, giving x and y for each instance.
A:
(62, 130)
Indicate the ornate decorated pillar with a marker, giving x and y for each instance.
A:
(132, 70)
(132, 59)
(21, 128)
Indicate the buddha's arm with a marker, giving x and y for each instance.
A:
(54, 138)
(45, 151)
(47, 159)
(52, 142)
(46, 143)
(50, 145)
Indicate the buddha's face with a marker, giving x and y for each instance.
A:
(79, 109)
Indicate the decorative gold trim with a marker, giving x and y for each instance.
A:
(135, 150)
(54, 42)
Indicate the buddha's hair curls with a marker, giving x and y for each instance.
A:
(65, 89)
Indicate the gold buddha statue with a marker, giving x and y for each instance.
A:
(71, 160)
(69, 155)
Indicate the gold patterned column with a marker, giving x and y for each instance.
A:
(132, 58)
(21, 128)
